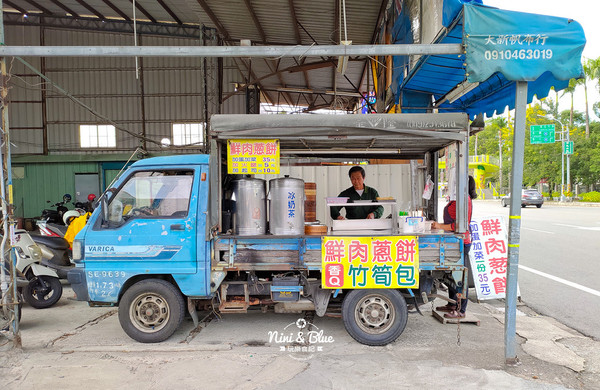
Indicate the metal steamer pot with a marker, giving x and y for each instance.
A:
(286, 206)
(250, 206)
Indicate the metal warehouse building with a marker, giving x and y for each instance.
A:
(76, 121)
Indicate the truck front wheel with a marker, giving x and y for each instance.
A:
(151, 310)
(374, 317)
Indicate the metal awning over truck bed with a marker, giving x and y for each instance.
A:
(407, 136)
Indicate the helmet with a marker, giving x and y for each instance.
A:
(91, 197)
(69, 216)
(67, 198)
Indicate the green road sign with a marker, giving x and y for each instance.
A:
(568, 147)
(542, 134)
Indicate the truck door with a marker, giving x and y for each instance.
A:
(151, 229)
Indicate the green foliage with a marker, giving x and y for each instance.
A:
(543, 161)
(555, 194)
(585, 162)
(593, 196)
(545, 194)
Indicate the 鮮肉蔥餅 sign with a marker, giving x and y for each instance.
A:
(252, 156)
(370, 262)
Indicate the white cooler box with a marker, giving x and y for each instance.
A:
(362, 224)
(412, 224)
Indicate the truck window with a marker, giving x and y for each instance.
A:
(153, 194)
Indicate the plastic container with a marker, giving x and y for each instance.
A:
(427, 226)
(412, 224)
(337, 200)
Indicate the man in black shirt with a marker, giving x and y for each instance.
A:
(358, 191)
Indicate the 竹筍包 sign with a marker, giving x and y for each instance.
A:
(252, 156)
(370, 262)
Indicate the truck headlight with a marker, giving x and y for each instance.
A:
(35, 252)
(77, 250)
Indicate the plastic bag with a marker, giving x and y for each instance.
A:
(428, 188)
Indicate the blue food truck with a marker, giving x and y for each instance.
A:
(192, 232)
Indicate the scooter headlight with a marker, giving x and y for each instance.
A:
(35, 252)
(77, 250)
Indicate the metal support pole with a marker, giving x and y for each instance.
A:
(6, 192)
(230, 51)
(414, 191)
(562, 169)
(462, 182)
(500, 154)
(568, 163)
(514, 225)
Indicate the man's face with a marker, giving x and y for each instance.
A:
(357, 180)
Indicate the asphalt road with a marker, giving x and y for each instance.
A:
(559, 262)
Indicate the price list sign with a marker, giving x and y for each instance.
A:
(252, 156)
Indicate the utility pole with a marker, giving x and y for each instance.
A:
(562, 168)
(562, 161)
(500, 154)
(568, 163)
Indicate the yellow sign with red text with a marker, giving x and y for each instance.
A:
(252, 156)
(370, 262)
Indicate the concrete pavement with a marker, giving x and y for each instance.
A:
(71, 346)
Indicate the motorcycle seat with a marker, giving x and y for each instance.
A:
(51, 242)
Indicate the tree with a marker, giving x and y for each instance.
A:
(570, 90)
(585, 166)
(591, 72)
(542, 162)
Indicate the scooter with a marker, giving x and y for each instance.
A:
(56, 216)
(47, 228)
(56, 253)
(43, 287)
(51, 229)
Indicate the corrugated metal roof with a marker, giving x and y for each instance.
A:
(261, 21)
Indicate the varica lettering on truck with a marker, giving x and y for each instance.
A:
(236, 229)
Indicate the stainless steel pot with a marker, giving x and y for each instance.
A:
(250, 207)
(286, 206)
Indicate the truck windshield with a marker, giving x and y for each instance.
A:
(153, 194)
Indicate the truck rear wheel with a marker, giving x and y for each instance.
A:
(151, 310)
(374, 317)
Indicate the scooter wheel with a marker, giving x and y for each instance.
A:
(42, 291)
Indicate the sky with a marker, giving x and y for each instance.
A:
(585, 12)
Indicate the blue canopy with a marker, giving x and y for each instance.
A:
(501, 47)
